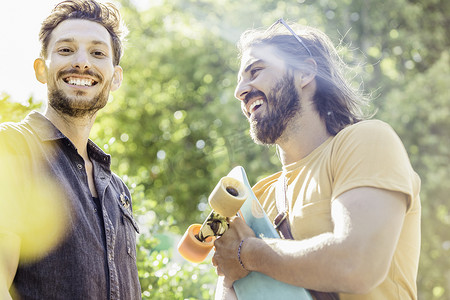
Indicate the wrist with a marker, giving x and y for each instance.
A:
(245, 253)
(239, 251)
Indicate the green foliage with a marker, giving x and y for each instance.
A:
(183, 130)
(420, 112)
(174, 128)
(14, 111)
(174, 122)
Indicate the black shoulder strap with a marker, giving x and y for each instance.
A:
(281, 221)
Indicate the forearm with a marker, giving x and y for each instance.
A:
(354, 258)
(316, 263)
(312, 263)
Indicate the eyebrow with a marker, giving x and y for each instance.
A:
(100, 43)
(67, 40)
(252, 64)
(71, 40)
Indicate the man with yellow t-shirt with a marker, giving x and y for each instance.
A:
(349, 192)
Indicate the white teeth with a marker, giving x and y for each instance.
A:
(257, 102)
(80, 81)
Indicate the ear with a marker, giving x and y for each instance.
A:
(308, 73)
(40, 70)
(117, 78)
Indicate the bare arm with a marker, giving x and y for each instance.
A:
(9, 260)
(354, 258)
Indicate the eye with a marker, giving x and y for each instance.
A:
(255, 71)
(98, 53)
(65, 51)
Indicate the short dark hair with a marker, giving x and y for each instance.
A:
(337, 102)
(105, 14)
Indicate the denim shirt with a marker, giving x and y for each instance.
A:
(97, 257)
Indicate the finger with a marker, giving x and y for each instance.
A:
(219, 271)
(240, 221)
(217, 242)
(230, 219)
(236, 221)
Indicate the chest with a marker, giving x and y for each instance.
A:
(308, 193)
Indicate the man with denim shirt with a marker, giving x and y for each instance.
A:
(96, 259)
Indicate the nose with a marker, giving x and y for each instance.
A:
(81, 61)
(242, 89)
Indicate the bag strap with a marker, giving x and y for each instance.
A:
(281, 223)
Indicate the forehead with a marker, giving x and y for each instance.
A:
(81, 31)
(266, 54)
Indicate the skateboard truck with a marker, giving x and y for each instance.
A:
(226, 199)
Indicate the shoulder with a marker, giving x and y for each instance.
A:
(118, 180)
(12, 129)
(264, 184)
(367, 128)
(119, 185)
(370, 153)
(14, 136)
(367, 135)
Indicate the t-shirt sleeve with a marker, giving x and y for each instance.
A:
(371, 154)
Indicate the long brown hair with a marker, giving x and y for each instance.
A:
(337, 102)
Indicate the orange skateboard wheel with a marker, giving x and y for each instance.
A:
(191, 248)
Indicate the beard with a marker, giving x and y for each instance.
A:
(283, 103)
(77, 106)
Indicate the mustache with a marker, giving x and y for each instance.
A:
(252, 94)
(74, 71)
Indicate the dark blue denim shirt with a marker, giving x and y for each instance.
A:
(97, 258)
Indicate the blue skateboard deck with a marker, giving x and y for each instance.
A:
(257, 285)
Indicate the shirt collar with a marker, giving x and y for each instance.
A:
(46, 131)
(43, 127)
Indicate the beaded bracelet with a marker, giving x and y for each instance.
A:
(239, 254)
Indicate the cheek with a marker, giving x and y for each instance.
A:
(264, 83)
(108, 73)
(244, 111)
(53, 69)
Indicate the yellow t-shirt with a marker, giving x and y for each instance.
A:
(368, 154)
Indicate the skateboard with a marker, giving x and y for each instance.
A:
(233, 195)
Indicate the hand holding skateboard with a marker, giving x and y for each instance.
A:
(226, 204)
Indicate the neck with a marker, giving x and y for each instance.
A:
(76, 129)
(306, 132)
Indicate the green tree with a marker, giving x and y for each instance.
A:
(14, 111)
(420, 112)
(174, 129)
(177, 131)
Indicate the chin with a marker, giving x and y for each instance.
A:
(76, 106)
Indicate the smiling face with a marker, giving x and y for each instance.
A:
(79, 71)
(269, 97)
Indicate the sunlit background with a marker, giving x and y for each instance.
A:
(19, 29)
(174, 129)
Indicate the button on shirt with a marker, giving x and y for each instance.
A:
(97, 258)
